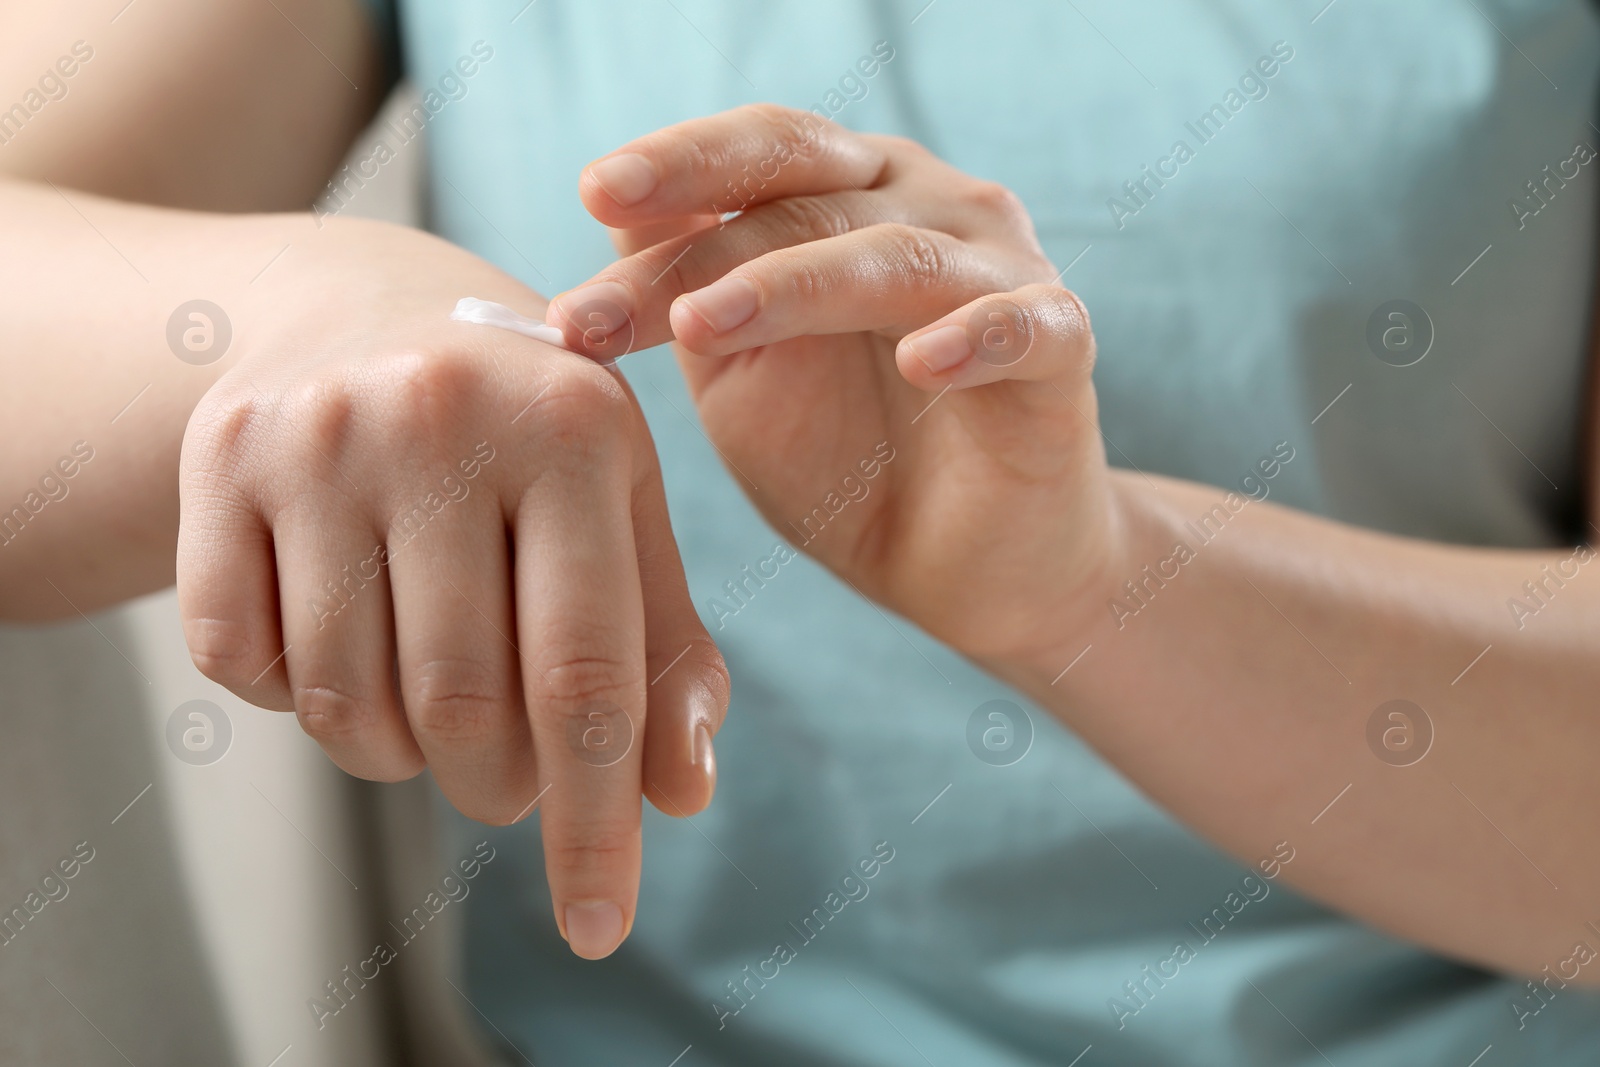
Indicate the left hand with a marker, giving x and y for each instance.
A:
(868, 293)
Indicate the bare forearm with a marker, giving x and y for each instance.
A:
(186, 103)
(97, 398)
(1236, 682)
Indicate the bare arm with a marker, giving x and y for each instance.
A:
(186, 103)
(198, 105)
(1238, 688)
(1239, 697)
(354, 471)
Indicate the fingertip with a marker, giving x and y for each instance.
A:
(705, 758)
(689, 327)
(596, 318)
(622, 181)
(594, 929)
(935, 352)
(681, 775)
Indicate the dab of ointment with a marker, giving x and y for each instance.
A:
(488, 313)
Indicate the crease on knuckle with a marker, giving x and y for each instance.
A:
(589, 847)
(1073, 310)
(222, 649)
(428, 392)
(1075, 323)
(455, 700)
(219, 429)
(921, 256)
(791, 129)
(332, 716)
(709, 672)
(804, 281)
(574, 680)
(812, 218)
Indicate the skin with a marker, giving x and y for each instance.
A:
(517, 598)
(1239, 697)
(301, 450)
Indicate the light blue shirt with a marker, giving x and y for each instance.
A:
(1240, 191)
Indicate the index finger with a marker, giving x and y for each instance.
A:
(727, 162)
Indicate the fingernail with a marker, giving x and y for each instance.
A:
(594, 928)
(726, 304)
(593, 311)
(943, 348)
(627, 178)
(705, 757)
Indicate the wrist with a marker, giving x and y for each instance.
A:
(367, 279)
(1133, 524)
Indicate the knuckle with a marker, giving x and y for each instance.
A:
(711, 672)
(998, 199)
(574, 680)
(1055, 308)
(1053, 312)
(428, 394)
(584, 416)
(219, 427)
(324, 412)
(804, 280)
(223, 650)
(920, 254)
(333, 717)
(583, 405)
(812, 218)
(1072, 309)
(1074, 316)
(454, 700)
(583, 849)
(900, 145)
(791, 127)
(583, 393)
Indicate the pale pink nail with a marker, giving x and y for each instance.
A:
(942, 349)
(594, 928)
(725, 305)
(627, 178)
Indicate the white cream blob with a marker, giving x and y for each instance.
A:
(488, 313)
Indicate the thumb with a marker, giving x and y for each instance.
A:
(1039, 333)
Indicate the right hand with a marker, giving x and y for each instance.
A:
(447, 545)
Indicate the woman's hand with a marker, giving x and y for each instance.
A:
(829, 315)
(877, 344)
(447, 545)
